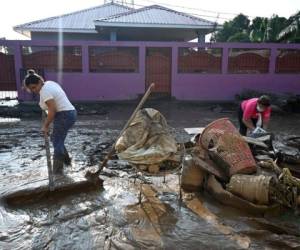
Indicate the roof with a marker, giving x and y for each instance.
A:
(79, 21)
(154, 16)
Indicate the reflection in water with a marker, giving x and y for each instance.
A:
(15, 229)
(9, 120)
(112, 218)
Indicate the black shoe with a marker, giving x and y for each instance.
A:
(67, 159)
(58, 166)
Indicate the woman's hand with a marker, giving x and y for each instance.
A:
(50, 116)
(249, 124)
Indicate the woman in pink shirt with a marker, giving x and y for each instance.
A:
(254, 113)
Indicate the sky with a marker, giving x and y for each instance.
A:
(15, 12)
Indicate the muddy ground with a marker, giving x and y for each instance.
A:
(111, 218)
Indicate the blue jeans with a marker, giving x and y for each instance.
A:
(63, 121)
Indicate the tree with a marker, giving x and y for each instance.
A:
(274, 26)
(291, 33)
(261, 29)
(239, 24)
(257, 29)
(239, 37)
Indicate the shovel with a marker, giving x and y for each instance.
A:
(49, 164)
(93, 176)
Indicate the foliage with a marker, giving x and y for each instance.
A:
(291, 33)
(239, 37)
(260, 29)
(274, 26)
(239, 24)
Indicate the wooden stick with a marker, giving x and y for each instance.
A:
(48, 155)
(91, 175)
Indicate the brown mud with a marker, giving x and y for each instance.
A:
(111, 218)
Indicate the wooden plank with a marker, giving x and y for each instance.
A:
(210, 168)
(194, 131)
(263, 158)
(35, 192)
(264, 138)
(254, 141)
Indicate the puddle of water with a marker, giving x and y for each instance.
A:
(111, 218)
(9, 120)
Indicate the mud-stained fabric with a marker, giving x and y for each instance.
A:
(147, 140)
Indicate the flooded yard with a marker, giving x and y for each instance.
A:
(111, 217)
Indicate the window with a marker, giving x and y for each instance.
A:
(113, 59)
(199, 60)
(7, 69)
(47, 58)
(288, 61)
(248, 61)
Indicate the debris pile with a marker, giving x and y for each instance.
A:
(148, 145)
(253, 173)
(245, 172)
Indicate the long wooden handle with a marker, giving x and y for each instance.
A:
(48, 155)
(138, 107)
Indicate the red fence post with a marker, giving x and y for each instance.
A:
(272, 64)
(85, 59)
(225, 60)
(174, 66)
(142, 63)
(18, 66)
